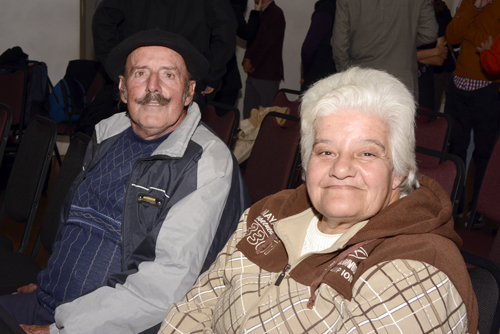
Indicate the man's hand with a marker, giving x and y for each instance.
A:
(26, 289)
(208, 90)
(486, 45)
(258, 6)
(442, 49)
(36, 329)
(482, 3)
(247, 66)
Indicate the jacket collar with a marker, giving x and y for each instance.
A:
(431, 213)
(174, 146)
(292, 232)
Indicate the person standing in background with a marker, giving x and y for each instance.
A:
(431, 56)
(231, 81)
(263, 61)
(472, 98)
(383, 34)
(316, 53)
(209, 25)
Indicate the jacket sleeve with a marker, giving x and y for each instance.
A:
(462, 26)
(105, 28)
(248, 31)
(490, 59)
(181, 247)
(427, 31)
(341, 39)
(321, 25)
(222, 23)
(194, 312)
(399, 295)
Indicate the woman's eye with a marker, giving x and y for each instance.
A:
(368, 154)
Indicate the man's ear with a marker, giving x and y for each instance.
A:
(190, 94)
(121, 87)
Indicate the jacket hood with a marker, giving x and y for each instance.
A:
(426, 210)
(174, 146)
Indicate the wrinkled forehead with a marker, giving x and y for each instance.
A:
(155, 57)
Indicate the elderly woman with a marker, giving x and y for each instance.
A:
(366, 245)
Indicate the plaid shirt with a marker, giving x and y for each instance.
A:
(236, 295)
(469, 84)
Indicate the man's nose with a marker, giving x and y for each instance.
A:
(154, 84)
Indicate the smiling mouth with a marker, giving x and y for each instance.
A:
(342, 187)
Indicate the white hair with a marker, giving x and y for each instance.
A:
(369, 92)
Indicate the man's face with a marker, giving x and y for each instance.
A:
(156, 90)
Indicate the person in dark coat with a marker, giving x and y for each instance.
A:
(209, 25)
(263, 59)
(317, 56)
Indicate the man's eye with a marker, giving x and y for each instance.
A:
(325, 153)
(139, 74)
(367, 154)
(169, 75)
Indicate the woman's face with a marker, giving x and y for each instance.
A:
(350, 173)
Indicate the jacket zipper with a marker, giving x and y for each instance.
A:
(264, 294)
(278, 282)
(282, 275)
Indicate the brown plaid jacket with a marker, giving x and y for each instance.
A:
(238, 296)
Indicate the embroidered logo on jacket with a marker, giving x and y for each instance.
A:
(347, 267)
(261, 228)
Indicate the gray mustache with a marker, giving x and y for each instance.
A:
(150, 97)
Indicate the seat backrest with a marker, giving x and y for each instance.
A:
(5, 122)
(488, 199)
(281, 100)
(223, 119)
(485, 279)
(450, 174)
(13, 85)
(29, 171)
(433, 134)
(96, 84)
(274, 158)
(488, 202)
(71, 166)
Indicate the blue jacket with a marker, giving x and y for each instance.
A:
(164, 247)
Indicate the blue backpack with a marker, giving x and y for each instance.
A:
(67, 101)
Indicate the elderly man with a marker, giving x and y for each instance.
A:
(365, 246)
(142, 214)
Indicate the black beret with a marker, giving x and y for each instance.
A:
(197, 65)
